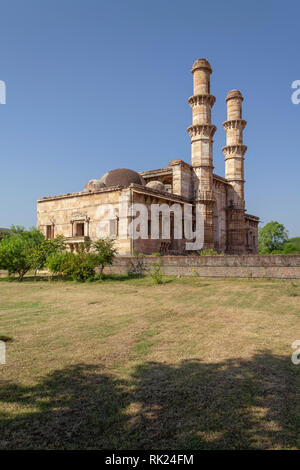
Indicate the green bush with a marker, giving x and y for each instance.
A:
(80, 266)
(104, 251)
(210, 252)
(57, 263)
(156, 273)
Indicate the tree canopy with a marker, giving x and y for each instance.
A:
(272, 238)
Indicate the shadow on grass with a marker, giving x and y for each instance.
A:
(6, 339)
(236, 404)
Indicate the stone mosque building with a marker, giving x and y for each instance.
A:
(227, 226)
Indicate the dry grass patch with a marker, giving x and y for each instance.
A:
(190, 364)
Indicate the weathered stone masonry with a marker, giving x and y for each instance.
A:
(235, 266)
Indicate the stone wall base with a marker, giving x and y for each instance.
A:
(234, 266)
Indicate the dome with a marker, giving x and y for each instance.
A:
(158, 185)
(201, 64)
(93, 185)
(122, 177)
(234, 94)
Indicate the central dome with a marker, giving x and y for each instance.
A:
(122, 177)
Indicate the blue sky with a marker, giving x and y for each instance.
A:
(94, 85)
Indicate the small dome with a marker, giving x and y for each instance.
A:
(122, 177)
(93, 185)
(158, 185)
(234, 94)
(201, 64)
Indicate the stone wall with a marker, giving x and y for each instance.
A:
(256, 266)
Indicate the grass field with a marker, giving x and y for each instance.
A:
(126, 364)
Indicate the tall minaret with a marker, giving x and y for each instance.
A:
(234, 170)
(201, 133)
(235, 150)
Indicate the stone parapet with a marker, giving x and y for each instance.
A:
(242, 266)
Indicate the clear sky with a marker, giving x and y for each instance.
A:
(94, 85)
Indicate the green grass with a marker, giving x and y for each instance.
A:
(125, 364)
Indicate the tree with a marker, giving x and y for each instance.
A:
(105, 252)
(43, 250)
(288, 248)
(16, 250)
(272, 237)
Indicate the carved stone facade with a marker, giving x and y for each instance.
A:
(227, 227)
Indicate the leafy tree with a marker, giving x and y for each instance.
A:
(272, 237)
(44, 249)
(105, 252)
(16, 250)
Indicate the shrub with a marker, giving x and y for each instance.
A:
(104, 252)
(80, 266)
(156, 273)
(57, 263)
(288, 248)
(210, 252)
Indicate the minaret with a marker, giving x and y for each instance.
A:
(234, 170)
(201, 133)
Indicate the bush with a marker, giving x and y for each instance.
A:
(210, 252)
(80, 266)
(57, 263)
(156, 273)
(104, 252)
